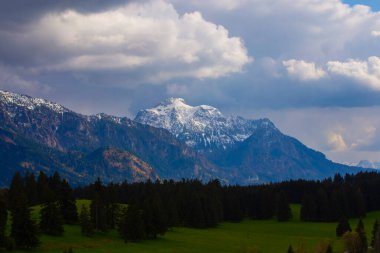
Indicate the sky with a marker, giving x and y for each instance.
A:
(311, 66)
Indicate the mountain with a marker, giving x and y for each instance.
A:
(202, 127)
(247, 151)
(64, 132)
(368, 164)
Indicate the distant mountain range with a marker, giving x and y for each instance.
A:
(248, 150)
(367, 164)
(170, 141)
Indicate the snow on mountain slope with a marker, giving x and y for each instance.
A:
(202, 127)
(30, 103)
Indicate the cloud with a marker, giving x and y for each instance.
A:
(375, 33)
(147, 38)
(366, 72)
(337, 142)
(304, 71)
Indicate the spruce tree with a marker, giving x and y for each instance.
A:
(308, 208)
(51, 222)
(24, 230)
(375, 229)
(362, 235)
(3, 219)
(85, 221)
(343, 227)
(132, 225)
(376, 244)
(283, 211)
(67, 203)
(290, 249)
(98, 208)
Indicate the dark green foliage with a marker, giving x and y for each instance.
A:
(132, 226)
(3, 219)
(23, 230)
(329, 249)
(362, 235)
(85, 221)
(154, 216)
(51, 221)
(98, 208)
(283, 211)
(308, 208)
(376, 244)
(375, 230)
(67, 203)
(10, 244)
(69, 250)
(290, 249)
(359, 206)
(343, 227)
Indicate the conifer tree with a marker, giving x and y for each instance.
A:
(98, 208)
(329, 249)
(24, 230)
(154, 217)
(362, 235)
(290, 249)
(51, 222)
(283, 211)
(67, 204)
(375, 229)
(3, 219)
(376, 244)
(85, 221)
(343, 227)
(132, 226)
(308, 208)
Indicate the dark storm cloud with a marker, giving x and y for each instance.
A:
(21, 11)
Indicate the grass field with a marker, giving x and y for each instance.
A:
(245, 237)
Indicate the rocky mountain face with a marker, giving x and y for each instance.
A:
(247, 151)
(170, 141)
(58, 129)
(202, 127)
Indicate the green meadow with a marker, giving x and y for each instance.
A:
(245, 237)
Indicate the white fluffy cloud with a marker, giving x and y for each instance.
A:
(147, 38)
(375, 33)
(302, 70)
(366, 72)
(337, 142)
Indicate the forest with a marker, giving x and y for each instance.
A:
(145, 210)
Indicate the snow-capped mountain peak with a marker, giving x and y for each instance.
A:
(203, 127)
(30, 103)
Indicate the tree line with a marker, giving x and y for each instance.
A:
(145, 210)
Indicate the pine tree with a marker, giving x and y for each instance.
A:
(308, 208)
(290, 249)
(98, 208)
(85, 221)
(154, 217)
(24, 230)
(375, 229)
(329, 249)
(43, 189)
(51, 222)
(283, 211)
(3, 219)
(67, 203)
(343, 227)
(376, 244)
(363, 238)
(132, 225)
(359, 203)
